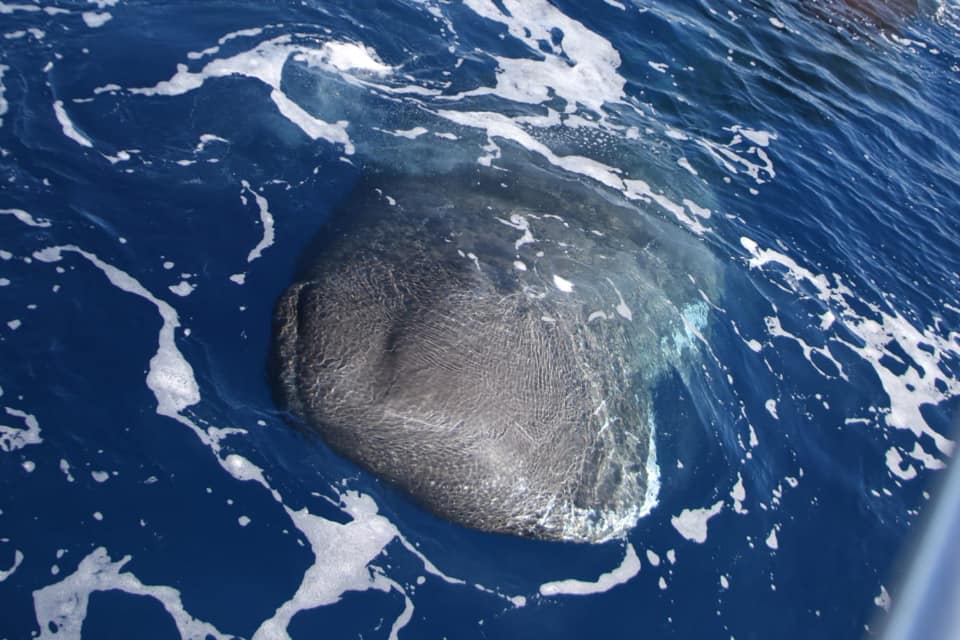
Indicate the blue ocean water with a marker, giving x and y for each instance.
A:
(163, 165)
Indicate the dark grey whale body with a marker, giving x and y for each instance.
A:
(487, 341)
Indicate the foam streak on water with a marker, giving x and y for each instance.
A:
(170, 376)
(3, 101)
(692, 523)
(592, 80)
(324, 582)
(13, 438)
(69, 129)
(266, 219)
(627, 570)
(265, 63)
(25, 217)
(61, 607)
(926, 383)
(17, 560)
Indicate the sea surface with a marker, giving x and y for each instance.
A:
(163, 165)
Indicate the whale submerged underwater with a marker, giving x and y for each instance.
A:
(489, 340)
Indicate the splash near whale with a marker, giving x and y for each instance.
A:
(477, 340)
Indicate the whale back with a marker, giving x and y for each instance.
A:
(415, 344)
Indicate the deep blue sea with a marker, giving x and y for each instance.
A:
(164, 164)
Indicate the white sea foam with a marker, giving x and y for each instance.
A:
(409, 134)
(244, 470)
(61, 607)
(497, 125)
(14, 438)
(107, 88)
(736, 157)
(883, 599)
(776, 330)
(182, 288)
(583, 71)
(739, 494)
(692, 523)
(640, 190)
(205, 139)
(39, 34)
(342, 553)
(348, 56)
(771, 540)
(929, 461)
(696, 209)
(587, 74)
(3, 101)
(928, 383)
(266, 219)
(760, 138)
(68, 127)
(895, 464)
(170, 376)
(11, 8)
(316, 128)
(65, 468)
(683, 162)
(265, 63)
(25, 217)
(651, 495)
(93, 19)
(17, 560)
(771, 406)
(121, 156)
(428, 566)
(242, 33)
(625, 572)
